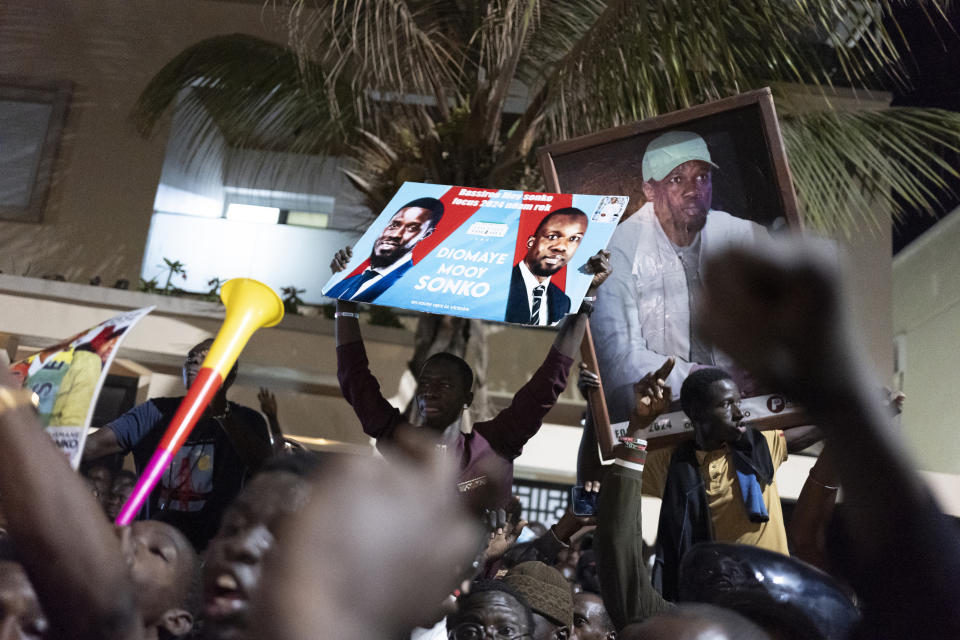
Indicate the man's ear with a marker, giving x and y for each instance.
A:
(648, 191)
(177, 622)
(563, 633)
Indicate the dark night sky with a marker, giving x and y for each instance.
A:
(933, 62)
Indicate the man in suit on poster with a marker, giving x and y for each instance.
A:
(533, 299)
(391, 256)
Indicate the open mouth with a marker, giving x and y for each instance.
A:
(554, 261)
(224, 598)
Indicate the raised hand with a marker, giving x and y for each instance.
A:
(652, 396)
(333, 562)
(599, 266)
(268, 402)
(586, 380)
(340, 259)
(778, 310)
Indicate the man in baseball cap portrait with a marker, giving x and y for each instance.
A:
(656, 254)
(677, 179)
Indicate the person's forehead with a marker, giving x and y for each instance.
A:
(440, 368)
(690, 166)
(491, 604)
(564, 224)
(723, 388)
(160, 533)
(587, 604)
(411, 214)
(123, 482)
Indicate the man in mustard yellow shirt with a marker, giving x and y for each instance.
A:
(720, 485)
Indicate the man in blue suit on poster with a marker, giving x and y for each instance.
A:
(533, 299)
(391, 255)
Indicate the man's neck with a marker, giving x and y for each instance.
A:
(387, 268)
(525, 268)
(679, 234)
(217, 406)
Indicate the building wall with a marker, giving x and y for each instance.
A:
(926, 317)
(105, 177)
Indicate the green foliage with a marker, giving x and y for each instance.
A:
(213, 294)
(383, 317)
(457, 92)
(292, 299)
(173, 268)
(149, 286)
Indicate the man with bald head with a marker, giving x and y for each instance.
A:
(657, 258)
(392, 253)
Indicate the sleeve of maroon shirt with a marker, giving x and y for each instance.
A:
(360, 388)
(512, 427)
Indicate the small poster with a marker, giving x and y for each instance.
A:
(490, 254)
(66, 379)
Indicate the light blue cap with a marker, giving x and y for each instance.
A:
(672, 149)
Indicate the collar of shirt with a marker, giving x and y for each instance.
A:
(383, 272)
(531, 283)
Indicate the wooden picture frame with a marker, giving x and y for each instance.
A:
(753, 182)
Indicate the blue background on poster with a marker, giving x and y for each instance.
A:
(447, 281)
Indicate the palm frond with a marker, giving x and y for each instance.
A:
(247, 89)
(381, 49)
(641, 59)
(853, 169)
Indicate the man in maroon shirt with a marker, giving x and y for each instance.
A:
(444, 386)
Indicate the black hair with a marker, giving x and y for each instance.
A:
(486, 586)
(206, 344)
(466, 373)
(434, 206)
(694, 393)
(566, 211)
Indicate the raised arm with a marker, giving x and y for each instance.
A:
(625, 584)
(358, 385)
(67, 546)
(789, 326)
(347, 322)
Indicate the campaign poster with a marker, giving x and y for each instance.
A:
(66, 379)
(490, 254)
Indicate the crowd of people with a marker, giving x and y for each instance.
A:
(248, 538)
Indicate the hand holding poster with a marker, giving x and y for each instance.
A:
(66, 379)
(506, 256)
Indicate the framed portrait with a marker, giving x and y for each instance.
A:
(32, 117)
(752, 178)
(696, 178)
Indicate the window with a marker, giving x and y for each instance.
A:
(31, 120)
